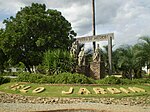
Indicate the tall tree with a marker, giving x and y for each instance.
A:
(144, 50)
(3, 57)
(128, 61)
(33, 31)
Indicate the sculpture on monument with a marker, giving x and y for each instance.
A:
(74, 49)
(96, 56)
(81, 57)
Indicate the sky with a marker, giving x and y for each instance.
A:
(127, 19)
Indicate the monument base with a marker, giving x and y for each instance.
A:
(83, 70)
(97, 70)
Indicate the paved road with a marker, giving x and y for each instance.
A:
(24, 107)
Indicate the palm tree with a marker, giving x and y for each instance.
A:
(130, 59)
(144, 50)
(128, 62)
(139, 61)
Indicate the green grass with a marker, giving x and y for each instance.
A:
(55, 91)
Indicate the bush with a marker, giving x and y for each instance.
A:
(126, 81)
(116, 80)
(144, 80)
(4, 80)
(41, 69)
(135, 81)
(62, 78)
(68, 78)
(109, 80)
(146, 75)
(27, 77)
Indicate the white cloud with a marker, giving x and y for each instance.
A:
(131, 22)
(128, 19)
(10, 6)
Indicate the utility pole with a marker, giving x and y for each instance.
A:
(110, 54)
(93, 23)
(109, 39)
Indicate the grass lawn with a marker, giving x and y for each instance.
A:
(56, 91)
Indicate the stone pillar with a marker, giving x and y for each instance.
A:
(97, 70)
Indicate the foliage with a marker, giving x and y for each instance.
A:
(123, 81)
(62, 78)
(104, 57)
(146, 76)
(3, 59)
(58, 61)
(32, 31)
(27, 77)
(109, 80)
(135, 81)
(128, 62)
(41, 69)
(68, 78)
(4, 80)
(144, 50)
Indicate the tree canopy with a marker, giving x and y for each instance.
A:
(33, 31)
(131, 59)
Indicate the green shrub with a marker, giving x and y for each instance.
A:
(116, 80)
(69, 78)
(135, 81)
(109, 80)
(4, 80)
(126, 81)
(58, 61)
(146, 75)
(47, 79)
(4, 74)
(41, 69)
(143, 80)
(27, 77)
(62, 78)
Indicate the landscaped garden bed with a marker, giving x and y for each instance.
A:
(53, 95)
